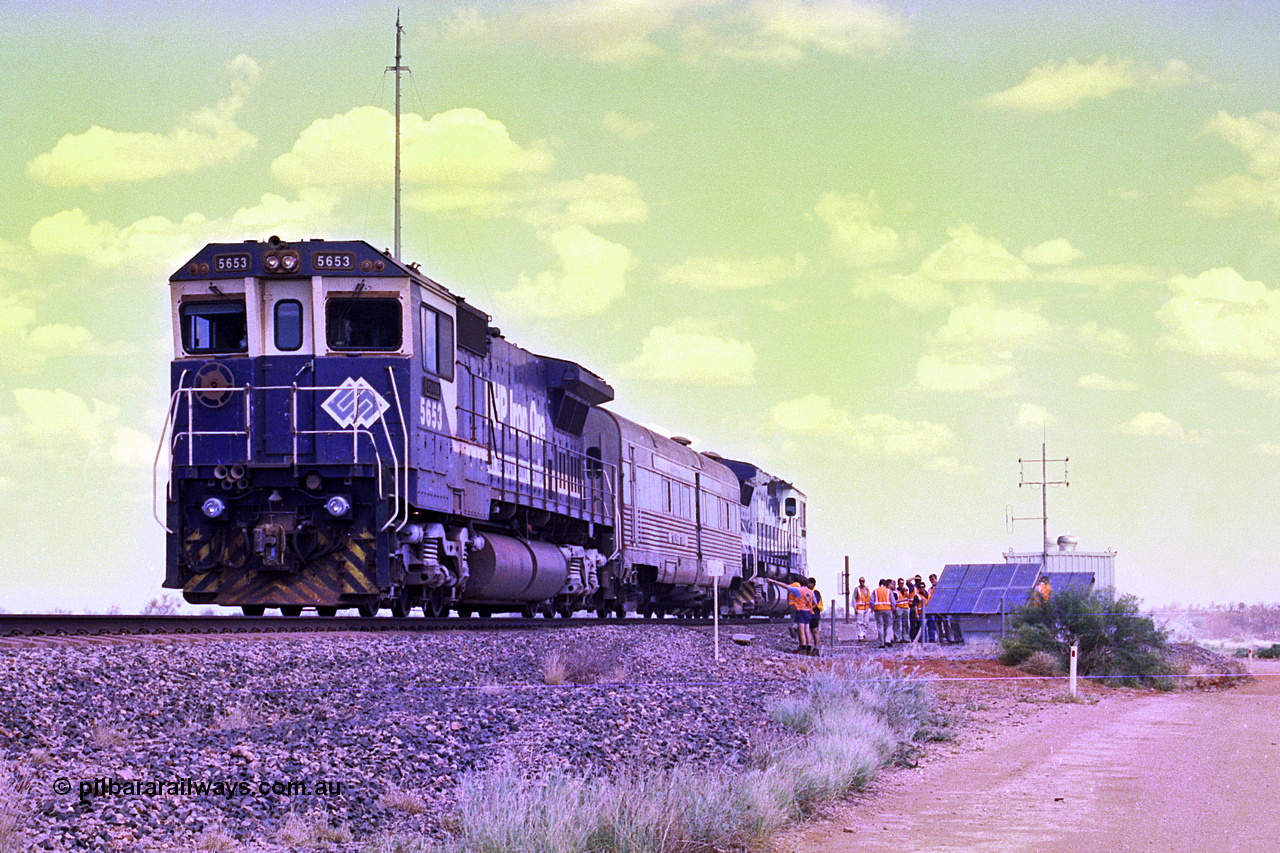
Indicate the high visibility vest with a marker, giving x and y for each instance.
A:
(817, 601)
(917, 604)
(862, 598)
(801, 598)
(880, 599)
(904, 600)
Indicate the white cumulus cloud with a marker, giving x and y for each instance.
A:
(1157, 425)
(1219, 314)
(100, 156)
(853, 233)
(1053, 88)
(459, 147)
(1054, 253)
(723, 273)
(591, 276)
(689, 357)
(871, 434)
(971, 257)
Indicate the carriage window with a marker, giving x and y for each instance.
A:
(364, 324)
(288, 325)
(437, 343)
(214, 327)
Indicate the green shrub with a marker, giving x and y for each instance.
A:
(1118, 645)
(1272, 651)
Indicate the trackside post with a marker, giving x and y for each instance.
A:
(715, 571)
(1075, 653)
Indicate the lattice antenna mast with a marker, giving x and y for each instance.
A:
(398, 68)
(1043, 485)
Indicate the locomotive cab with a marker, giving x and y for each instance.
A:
(291, 419)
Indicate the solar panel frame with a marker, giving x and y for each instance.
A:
(984, 588)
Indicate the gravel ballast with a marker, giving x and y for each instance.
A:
(162, 743)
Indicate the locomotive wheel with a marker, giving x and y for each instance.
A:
(253, 610)
(327, 612)
(602, 612)
(368, 611)
(434, 605)
(565, 611)
(526, 612)
(291, 610)
(621, 611)
(402, 605)
(464, 612)
(486, 612)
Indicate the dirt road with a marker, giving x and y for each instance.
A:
(1190, 772)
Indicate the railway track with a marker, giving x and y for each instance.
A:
(35, 625)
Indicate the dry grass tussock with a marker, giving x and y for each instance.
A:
(852, 720)
(581, 663)
(312, 831)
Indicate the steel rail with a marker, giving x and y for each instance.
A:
(61, 624)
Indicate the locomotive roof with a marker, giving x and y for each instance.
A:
(315, 256)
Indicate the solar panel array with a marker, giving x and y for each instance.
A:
(1070, 580)
(983, 588)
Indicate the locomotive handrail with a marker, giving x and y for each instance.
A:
(190, 434)
(155, 467)
(404, 430)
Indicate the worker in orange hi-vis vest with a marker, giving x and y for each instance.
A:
(815, 620)
(1043, 591)
(802, 600)
(919, 598)
(882, 606)
(901, 613)
(862, 609)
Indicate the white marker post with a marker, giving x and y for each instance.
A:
(715, 571)
(1075, 653)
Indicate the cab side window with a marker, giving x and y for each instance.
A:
(437, 344)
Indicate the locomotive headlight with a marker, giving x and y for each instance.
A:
(271, 262)
(337, 506)
(289, 262)
(213, 507)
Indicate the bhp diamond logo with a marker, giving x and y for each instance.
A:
(355, 403)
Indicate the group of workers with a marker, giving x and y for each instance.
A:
(899, 611)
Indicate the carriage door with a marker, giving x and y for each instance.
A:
(289, 344)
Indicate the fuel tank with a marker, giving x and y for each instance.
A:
(507, 569)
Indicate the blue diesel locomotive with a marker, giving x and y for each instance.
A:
(344, 432)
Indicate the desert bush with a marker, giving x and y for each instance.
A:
(1117, 644)
(166, 605)
(1041, 663)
